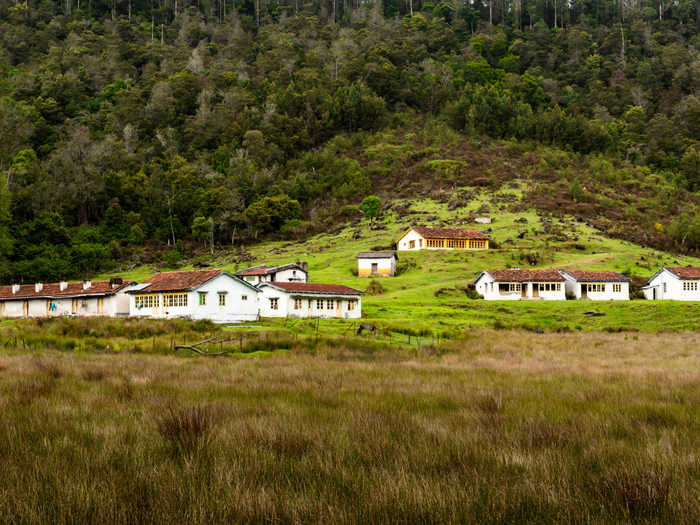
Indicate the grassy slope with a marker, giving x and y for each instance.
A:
(410, 299)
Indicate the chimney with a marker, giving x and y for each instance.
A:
(15, 288)
(87, 284)
(38, 287)
(304, 266)
(115, 282)
(63, 286)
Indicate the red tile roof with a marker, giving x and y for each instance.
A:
(580, 275)
(315, 288)
(257, 271)
(525, 276)
(27, 291)
(685, 272)
(182, 281)
(450, 233)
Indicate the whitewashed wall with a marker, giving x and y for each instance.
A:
(673, 290)
(285, 304)
(403, 244)
(386, 267)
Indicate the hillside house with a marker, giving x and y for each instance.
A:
(290, 273)
(675, 283)
(423, 238)
(597, 285)
(376, 264)
(516, 285)
(87, 299)
(195, 294)
(281, 299)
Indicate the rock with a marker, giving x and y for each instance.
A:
(431, 218)
(522, 220)
(355, 222)
(521, 235)
(357, 235)
(485, 208)
(513, 184)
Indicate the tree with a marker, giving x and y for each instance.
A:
(270, 214)
(203, 229)
(370, 207)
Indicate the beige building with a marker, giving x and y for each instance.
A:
(423, 238)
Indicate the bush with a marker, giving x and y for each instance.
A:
(375, 288)
(570, 296)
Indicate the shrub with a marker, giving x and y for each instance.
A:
(375, 288)
(570, 296)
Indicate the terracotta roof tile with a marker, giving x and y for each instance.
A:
(450, 233)
(524, 276)
(27, 291)
(182, 281)
(256, 271)
(316, 288)
(604, 276)
(685, 272)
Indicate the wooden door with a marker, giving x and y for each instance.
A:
(48, 307)
(25, 308)
(338, 308)
(375, 268)
(2, 309)
(75, 306)
(535, 289)
(100, 304)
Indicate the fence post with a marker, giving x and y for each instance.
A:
(154, 343)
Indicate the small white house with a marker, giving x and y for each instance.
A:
(195, 294)
(85, 299)
(376, 264)
(309, 300)
(423, 238)
(519, 285)
(290, 273)
(597, 285)
(675, 283)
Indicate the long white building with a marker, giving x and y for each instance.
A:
(309, 300)
(85, 299)
(675, 283)
(597, 285)
(516, 285)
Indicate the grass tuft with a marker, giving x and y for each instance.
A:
(640, 494)
(188, 429)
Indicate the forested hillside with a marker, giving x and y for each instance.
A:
(128, 126)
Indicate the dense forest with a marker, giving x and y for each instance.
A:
(128, 124)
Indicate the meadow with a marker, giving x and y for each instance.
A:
(491, 427)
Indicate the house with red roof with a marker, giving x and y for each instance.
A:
(678, 283)
(195, 294)
(597, 285)
(285, 299)
(520, 285)
(291, 273)
(85, 299)
(424, 238)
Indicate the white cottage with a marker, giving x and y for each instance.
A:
(309, 300)
(85, 299)
(675, 283)
(376, 264)
(517, 285)
(423, 238)
(291, 273)
(196, 294)
(597, 285)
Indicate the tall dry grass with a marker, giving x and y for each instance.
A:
(496, 428)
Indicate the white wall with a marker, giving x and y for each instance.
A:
(14, 308)
(386, 267)
(674, 288)
(404, 243)
(285, 304)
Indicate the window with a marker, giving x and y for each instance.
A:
(202, 299)
(297, 304)
(411, 245)
(250, 279)
(329, 304)
(175, 299)
(664, 287)
(617, 288)
(558, 287)
(222, 299)
(690, 286)
(514, 287)
(147, 301)
(351, 305)
(273, 303)
(244, 297)
(600, 288)
(319, 304)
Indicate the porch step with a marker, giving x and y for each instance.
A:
(532, 298)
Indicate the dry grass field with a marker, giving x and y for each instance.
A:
(497, 427)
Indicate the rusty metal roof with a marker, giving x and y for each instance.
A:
(450, 233)
(377, 255)
(52, 290)
(598, 276)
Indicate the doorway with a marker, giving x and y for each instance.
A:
(653, 294)
(100, 305)
(584, 291)
(523, 288)
(535, 289)
(25, 308)
(375, 269)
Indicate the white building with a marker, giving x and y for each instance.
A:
(86, 299)
(195, 294)
(309, 300)
(291, 273)
(422, 238)
(376, 264)
(675, 283)
(597, 285)
(516, 285)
